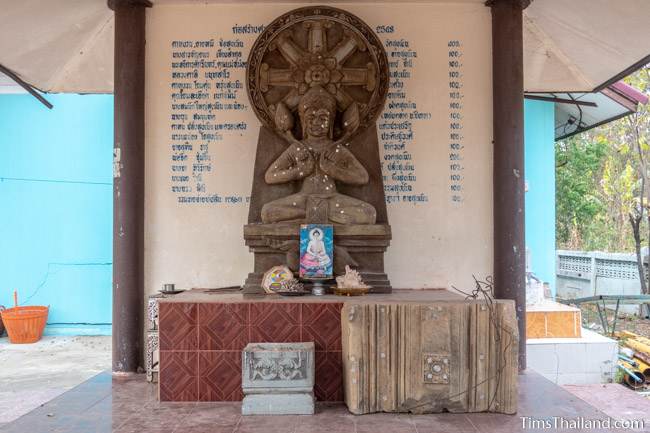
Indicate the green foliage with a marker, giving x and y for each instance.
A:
(599, 178)
(579, 164)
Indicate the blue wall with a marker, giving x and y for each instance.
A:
(539, 136)
(56, 218)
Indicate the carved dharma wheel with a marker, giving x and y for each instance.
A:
(318, 46)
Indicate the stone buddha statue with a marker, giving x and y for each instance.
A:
(318, 162)
(317, 78)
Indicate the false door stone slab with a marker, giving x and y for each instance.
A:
(430, 357)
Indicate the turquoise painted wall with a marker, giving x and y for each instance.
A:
(539, 135)
(56, 214)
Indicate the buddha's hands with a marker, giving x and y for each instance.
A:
(340, 163)
(295, 163)
(332, 159)
(303, 160)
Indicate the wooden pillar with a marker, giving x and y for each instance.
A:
(128, 185)
(508, 111)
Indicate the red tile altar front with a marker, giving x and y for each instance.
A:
(201, 344)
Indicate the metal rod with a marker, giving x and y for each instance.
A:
(128, 188)
(561, 100)
(508, 159)
(634, 299)
(630, 361)
(602, 320)
(25, 85)
(618, 302)
(630, 372)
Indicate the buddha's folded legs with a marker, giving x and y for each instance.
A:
(288, 208)
(341, 209)
(344, 209)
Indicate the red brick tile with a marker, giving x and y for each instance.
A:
(178, 326)
(329, 376)
(274, 323)
(220, 376)
(223, 326)
(178, 376)
(321, 323)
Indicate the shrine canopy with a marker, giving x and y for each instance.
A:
(576, 112)
(66, 46)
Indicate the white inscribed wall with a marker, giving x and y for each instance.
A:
(438, 172)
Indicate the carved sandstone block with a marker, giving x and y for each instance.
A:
(278, 379)
(457, 356)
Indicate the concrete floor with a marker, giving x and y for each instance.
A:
(33, 374)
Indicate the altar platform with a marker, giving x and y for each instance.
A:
(202, 334)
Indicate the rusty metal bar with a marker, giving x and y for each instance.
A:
(508, 159)
(128, 187)
(25, 85)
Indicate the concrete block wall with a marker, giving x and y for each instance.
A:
(574, 361)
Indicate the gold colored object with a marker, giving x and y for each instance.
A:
(350, 291)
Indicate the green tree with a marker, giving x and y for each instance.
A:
(603, 182)
(579, 164)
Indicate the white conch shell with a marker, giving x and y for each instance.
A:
(351, 280)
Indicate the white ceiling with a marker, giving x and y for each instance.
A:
(576, 45)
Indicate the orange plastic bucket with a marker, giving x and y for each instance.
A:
(25, 324)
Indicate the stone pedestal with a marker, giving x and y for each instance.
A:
(278, 379)
(278, 244)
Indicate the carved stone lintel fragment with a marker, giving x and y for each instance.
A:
(278, 378)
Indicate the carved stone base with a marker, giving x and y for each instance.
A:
(278, 379)
(361, 246)
(278, 404)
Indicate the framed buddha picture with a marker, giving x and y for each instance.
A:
(316, 251)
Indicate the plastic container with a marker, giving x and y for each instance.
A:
(25, 324)
(2, 326)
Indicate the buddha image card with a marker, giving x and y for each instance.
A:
(316, 251)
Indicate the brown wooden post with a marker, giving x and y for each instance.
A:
(508, 125)
(128, 185)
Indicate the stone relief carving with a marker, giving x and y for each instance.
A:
(435, 368)
(285, 368)
(327, 67)
(317, 78)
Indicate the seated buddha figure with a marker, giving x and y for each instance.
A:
(319, 162)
